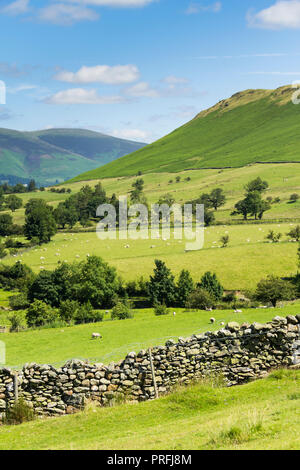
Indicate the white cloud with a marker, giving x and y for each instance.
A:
(81, 96)
(68, 12)
(66, 15)
(173, 89)
(132, 134)
(20, 88)
(282, 15)
(275, 73)
(195, 8)
(140, 90)
(173, 80)
(19, 7)
(116, 75)
(113, 3)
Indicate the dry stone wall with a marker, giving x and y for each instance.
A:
(238, 352)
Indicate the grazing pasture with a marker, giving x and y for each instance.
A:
(247, 259)
(283, 179)
(261, 415)
(120, 337)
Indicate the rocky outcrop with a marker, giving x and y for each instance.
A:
(237, 353)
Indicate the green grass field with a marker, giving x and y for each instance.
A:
(58, 345)
(283, 179)
(262, 415)
(247, 259)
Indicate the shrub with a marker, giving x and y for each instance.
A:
(121, 311)
(201, 299)
(161, 309)
(68, 310)
(16, 322)
(86, 314)
(19, 276)
(295, 233)
(34, 241)
(230, 297)
(273, 236)
(11, 243)
(19, 413)
(294, 197)
(18, 302)
(40, 314)
(224, 240)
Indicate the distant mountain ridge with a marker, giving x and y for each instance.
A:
(54, 155)
(252, 126)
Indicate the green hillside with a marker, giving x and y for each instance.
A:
(261, 415)
(57, 154)
(251, 126)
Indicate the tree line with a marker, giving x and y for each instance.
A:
(75, 292)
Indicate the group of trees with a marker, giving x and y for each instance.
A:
(253, 204)
(163, 290)
(91, 281)
(211, 201)
(18, 188)
(39, 227)
(82, 206)
(60, 190)
(73, 293)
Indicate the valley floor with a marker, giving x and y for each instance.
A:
(261, 415)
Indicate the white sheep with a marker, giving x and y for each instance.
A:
(96, 336)
(212, 320)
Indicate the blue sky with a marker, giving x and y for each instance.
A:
(139, 68)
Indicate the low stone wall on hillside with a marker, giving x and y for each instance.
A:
(237, 353)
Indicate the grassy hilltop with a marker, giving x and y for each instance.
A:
(251, 126)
